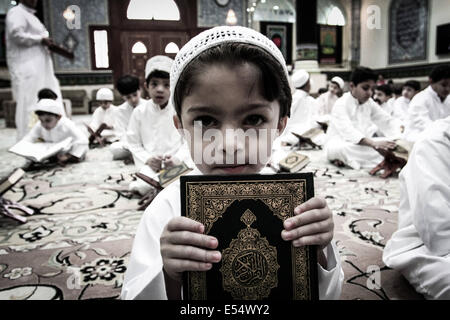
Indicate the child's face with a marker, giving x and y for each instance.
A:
(363, 91)
(105, 104)
(234, 124)
(133, 99)
(334, 88)
(159, 90)
(49, 121)
(408, 92)
(381, 96)
(442, 88)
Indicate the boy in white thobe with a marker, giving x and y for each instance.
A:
(29, 61)
(420, 248)
(401, 105)
(128, 87)
(223, 97)
(326, 101)
(102, 121)
(304, 110)
(429, 105)
(353, 117)
(53, 127)
(152, 137)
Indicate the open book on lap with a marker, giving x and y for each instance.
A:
(40, 151)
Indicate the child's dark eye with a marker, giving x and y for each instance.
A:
(206, 121)
(254, 120)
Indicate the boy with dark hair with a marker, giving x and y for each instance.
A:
(128, 86)
(401, 105)
(353, 118)
(431, 104)
(152, 137)
(383, 96)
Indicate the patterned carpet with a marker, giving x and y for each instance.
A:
(77, 244)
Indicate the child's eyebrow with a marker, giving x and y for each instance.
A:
(216, 111)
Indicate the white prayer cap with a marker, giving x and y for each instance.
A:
(339, 81)
(300, 78)
(105, 94)
(216, 36)
(49, 105)
(160, 63)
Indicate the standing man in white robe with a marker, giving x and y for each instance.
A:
(430, 105)
(327, 100)
(420, 248)
(29, 61)
(350, 132)
(128, 86)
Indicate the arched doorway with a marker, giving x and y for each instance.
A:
(137, 34)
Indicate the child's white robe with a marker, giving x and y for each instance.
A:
(151, 132)
(64, 128)
(420, 248)
(144, 277)
(401, 106)
(325, 103)
(425, 108)
(122, 115)
(350, 123)
(101, 115)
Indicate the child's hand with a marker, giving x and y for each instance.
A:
(170, 162)
(311, 225)
(184, 247)
(155, 163)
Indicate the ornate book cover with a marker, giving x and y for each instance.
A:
(246, 214)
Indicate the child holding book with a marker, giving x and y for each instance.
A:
(53, 127)
(103, 116)
(224, 78)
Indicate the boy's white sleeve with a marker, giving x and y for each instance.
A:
(330, 280)
(389, 125)
(144, 277)
(134, 139)
(95, 121)
(80, 143)
(17, 25)
(343, 124)
(34, 134)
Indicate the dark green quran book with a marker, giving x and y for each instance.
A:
(246, 214)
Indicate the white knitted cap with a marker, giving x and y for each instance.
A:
(49, 105)
(300, 78)
(160, 63)
(339, 81)
(104, 94)
(215, 36)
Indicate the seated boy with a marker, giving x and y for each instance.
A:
(353, 118)
(327, 100)
(420, 248)
(53, 127)
(103, 117)
(383, 96)
(429, 105)
(304, 109)
(401, 105)
(235, 81)
(152, 137)
(128, 86)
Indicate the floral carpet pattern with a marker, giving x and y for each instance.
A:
(78, 242)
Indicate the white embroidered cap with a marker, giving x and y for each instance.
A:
(300, 78)
(49, 105)
(218, 35)
(160, 63)
(339, 81)
(104, 94)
